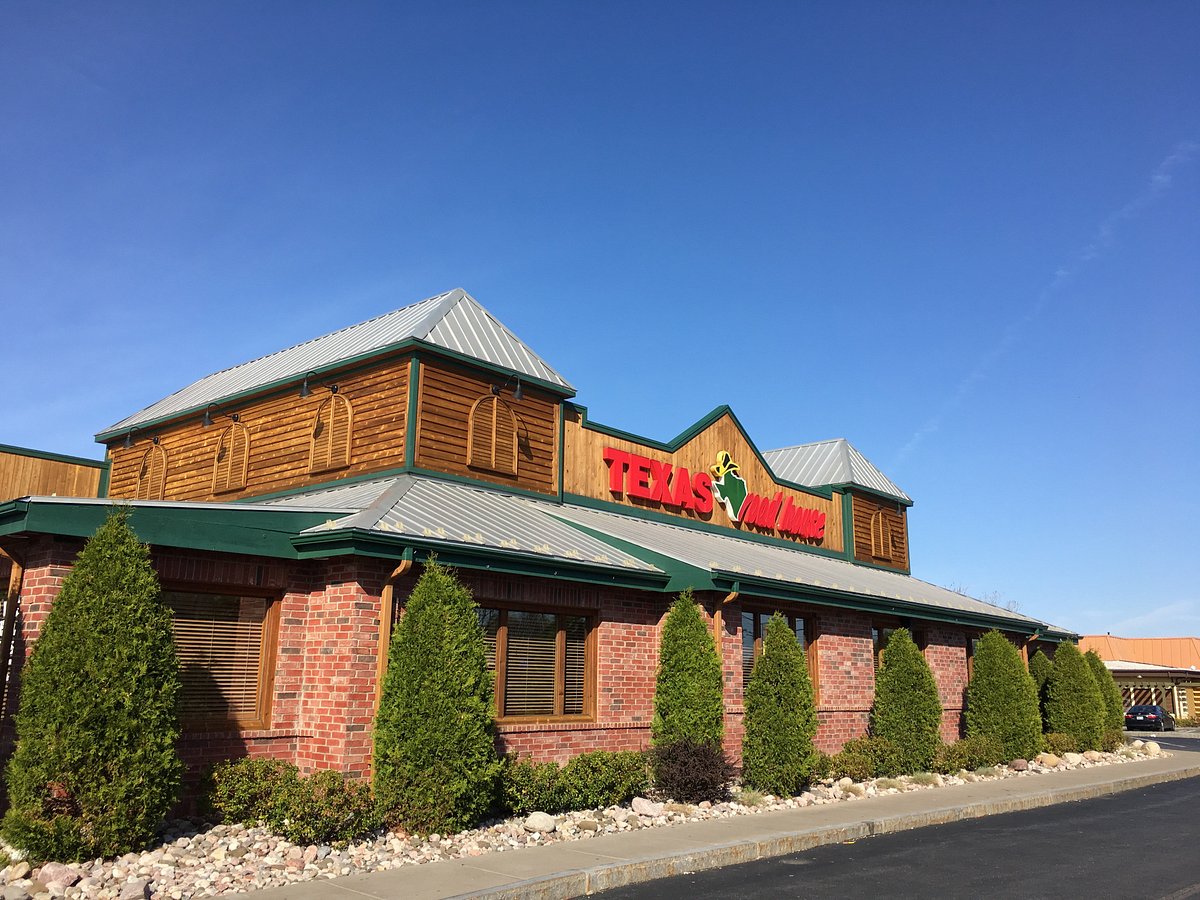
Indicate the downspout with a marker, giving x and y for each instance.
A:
(16, 579)
(387, 607)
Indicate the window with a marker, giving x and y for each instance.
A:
(232, 459)
(754, 626)
(492, 436)
(881, 536)
(879, 638)
(224, 645)
(541, 661)
(152, 474)
(331, 431)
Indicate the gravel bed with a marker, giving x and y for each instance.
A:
(197, 859)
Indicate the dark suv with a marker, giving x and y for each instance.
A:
(1154, 718)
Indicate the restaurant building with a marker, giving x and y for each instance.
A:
(291, 501)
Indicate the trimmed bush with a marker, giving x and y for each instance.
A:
(588, 781)
(95, 769)
(436, 766)
(1040, 668)
(1114, 705)
(1112, 740)
(324, 808)
(691, 771)
(971, 753)
(867, 757)
(777, 748)
(908, 709)
(689, 703)
(1002, 700)
(1058, 744)
(1073, 702)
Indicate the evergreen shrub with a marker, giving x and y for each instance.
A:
(247, 790)
(908, 708)
(435, 762)
(588, 781)
(1058, 744)
(95, 769)
(1040, 668)
(781, 720)
(689, 700)
(1002, 699)
(1112, 740)
(1074, 705)
(1114, 705)
(867, 757)
(971, 753)
(691, 771)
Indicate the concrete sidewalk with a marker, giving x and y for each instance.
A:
(576, 868)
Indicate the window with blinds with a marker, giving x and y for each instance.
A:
(754, 626)
(879, 640)
(152, 474)
(333, 426)
(232, 459)
(540, 661)
(221, 641)
(492, 436)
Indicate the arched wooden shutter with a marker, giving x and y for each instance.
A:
(232, 460)
(331, 433)
(152, 474)
(881, 536)
(492, 436)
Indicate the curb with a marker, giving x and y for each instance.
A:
(593, 879)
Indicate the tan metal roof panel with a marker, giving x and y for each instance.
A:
(834, 461)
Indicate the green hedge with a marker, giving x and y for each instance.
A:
(1074, 705)
(1002, 699)
(908, 708)
(589, 781)
(689, 703)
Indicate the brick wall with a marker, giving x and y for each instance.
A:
(946, 653)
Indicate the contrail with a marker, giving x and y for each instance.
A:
(1160, 181)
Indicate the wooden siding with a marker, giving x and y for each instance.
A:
(445, 397)
(585, 473)
(897, 521)
(279, 432)
(25, 476)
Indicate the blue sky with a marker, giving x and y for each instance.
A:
(963, 236)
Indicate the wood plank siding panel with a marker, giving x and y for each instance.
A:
(865, 509)
(24, 476)
(280, 438)
(586, 473)
(445, 398)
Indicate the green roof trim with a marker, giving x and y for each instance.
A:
(53, 457)
(690, 432)
(346, 366)
(231, 529)
(862, 489)
(361, 542)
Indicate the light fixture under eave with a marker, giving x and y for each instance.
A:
(128, 440)
(518, 393)
(305, 390)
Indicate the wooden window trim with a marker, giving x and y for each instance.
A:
(235, 471)
(268, 655)
(331, 458)
(590, 616)
(812, 637)
(146, 489)
(490, 461)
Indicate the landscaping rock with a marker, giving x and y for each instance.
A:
(15, 892)
(1049, 760)
(1151, 748)
(1019, 765)
(135, 890)
(644, 807)
(17, 871)
(588, 825)
(1072, 759)
(1092, 756)
(541, 823)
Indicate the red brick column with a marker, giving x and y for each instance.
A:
(846, 678)
(946, 653)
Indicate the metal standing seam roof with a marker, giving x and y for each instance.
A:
(734, 556)
(833, 461)
(452, 513)
(454, 320)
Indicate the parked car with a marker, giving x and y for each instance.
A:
(1154, 718)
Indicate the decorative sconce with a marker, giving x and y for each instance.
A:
(128, 439)
(209, 415)
(306, 391)
(518, 394)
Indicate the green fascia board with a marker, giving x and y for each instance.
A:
(779, 590)
(105, 476)
(251, 532)
(881, 567)
(690, 432)
(683, 575)
(410, 414)
(651, 515)
(362, 542)
(345, 367)
(862, 489)
(52, 457)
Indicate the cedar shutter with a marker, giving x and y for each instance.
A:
(152, 474)
(492, 436)
(219, 640)
(881, 535)
(232, 460)
(331, 433)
